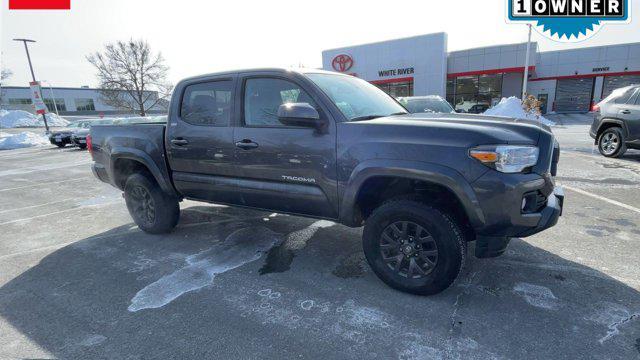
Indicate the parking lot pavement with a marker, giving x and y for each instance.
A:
(79, 280)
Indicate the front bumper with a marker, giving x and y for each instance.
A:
(550, 214)
(501, 199)
(59, 139)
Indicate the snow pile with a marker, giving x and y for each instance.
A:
(512, 107)
(22, 140)
(20, 118)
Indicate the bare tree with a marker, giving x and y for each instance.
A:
(4, 74)
(131, 76)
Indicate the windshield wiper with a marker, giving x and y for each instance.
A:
(371, 117)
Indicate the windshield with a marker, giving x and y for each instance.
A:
(355, 97)
(427, 105)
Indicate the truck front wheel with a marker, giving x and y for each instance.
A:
(413, 247)
(152, 210)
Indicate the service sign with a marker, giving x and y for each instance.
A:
(36, 97)
(568, 20)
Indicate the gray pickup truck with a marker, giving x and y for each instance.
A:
(332, 146)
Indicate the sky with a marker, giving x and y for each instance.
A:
(197, 37)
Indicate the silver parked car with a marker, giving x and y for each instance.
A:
(425, 104)
(616, 123)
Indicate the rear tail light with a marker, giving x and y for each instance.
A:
(89, 144)
(595, 107)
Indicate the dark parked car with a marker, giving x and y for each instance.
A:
(426, 104)
(63, 137)
(616, 123)
(332, 146)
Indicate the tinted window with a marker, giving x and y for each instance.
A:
(262, 97)
(207, 103)
(635, 99)
(626, 96)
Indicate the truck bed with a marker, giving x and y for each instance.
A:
(138, 142)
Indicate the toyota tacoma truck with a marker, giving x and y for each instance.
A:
(332, 146)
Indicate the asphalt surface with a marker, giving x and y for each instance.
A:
(79, 280)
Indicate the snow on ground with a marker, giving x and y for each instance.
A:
(20, 118)
(22, 140)
(512, 107)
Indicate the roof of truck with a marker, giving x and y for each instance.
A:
(240, 71)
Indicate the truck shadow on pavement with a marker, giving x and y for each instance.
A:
(233, 283)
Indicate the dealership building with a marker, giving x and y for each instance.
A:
(68, 100)
(474, 79)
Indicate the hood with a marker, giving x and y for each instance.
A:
(478, 129)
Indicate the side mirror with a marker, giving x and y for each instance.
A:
(299, 114)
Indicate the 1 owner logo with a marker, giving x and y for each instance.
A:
(568, 20)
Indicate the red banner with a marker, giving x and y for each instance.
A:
(39, 4)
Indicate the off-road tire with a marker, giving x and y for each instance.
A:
(166, 210)
(617, 133)
(448, 236)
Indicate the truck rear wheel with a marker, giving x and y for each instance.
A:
(413, 247)
(152, 210)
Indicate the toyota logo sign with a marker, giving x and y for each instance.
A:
(342, 62)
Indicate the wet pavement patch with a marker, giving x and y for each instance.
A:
(351, 266)
(278, 260)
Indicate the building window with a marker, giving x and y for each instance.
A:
(85, 105)
(397, 89)
(59, 103)
(474, 93)
(20, 101)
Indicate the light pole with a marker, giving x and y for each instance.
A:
(526, 66)
(53, 97)
(33, 76)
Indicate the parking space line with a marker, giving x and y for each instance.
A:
(58, 212)
(45, 183)
(595, 196)
(596, 155)
(34, 206)
(21, 171)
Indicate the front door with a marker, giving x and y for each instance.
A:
(200, 141)
(284, 168)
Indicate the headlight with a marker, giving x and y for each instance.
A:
(506, 158)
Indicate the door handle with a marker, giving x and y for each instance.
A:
(179, 142)
(246, 144)
(625, 111)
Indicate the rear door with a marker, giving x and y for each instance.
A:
(200, 140)
(284, 168)
(630, 112)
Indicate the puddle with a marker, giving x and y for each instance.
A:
(240, 247)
